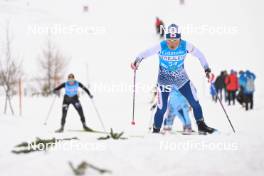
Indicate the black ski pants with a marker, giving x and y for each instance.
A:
(76, 104)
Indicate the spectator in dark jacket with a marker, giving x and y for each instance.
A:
(220, 84)
(242, 83)
(225, 75)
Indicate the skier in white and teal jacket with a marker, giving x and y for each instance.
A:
(172, 53)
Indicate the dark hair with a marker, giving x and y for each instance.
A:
(71, 75)
(241, 72)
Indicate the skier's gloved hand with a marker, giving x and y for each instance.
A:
(134, 65)
(91, 96)
(153, 107)
(208, 74)
(56, 92)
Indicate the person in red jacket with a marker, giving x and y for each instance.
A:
(232, 86)
(159, 24)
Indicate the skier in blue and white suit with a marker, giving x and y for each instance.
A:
(172, 53)
(178, 106)
(71, 87)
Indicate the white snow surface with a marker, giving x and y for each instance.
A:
(127, 28)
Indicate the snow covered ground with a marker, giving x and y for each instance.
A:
(142, 153)
(124, 29)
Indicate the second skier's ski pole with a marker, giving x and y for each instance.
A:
(50, 109)
(98, 115)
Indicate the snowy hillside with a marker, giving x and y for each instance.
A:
(104, 40)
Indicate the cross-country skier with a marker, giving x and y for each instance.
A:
(71, 97)
(172, 53)
(178, 106)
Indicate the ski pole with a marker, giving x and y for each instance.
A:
(227, 116)
(134, 98)
(50, 109)
(98, 115)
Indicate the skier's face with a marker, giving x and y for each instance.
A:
(173, 43)
(71, 80)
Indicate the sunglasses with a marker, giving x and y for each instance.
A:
(173, 40)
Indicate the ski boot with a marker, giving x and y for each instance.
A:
(204, 129)
(156, 130)
(187, 130)
(86, 128)
(166, 129)
(60, 130)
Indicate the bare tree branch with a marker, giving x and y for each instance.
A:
(53, 63)
(10, 69)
